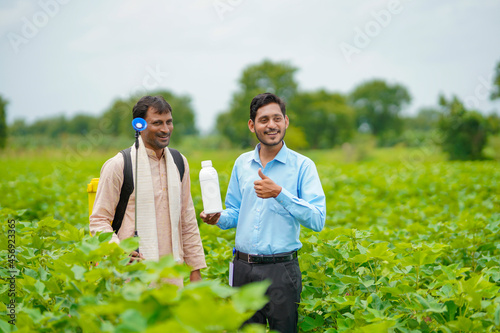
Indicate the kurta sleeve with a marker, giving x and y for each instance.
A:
(194, 255)
(107, 197)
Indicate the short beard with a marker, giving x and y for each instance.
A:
(273, 143)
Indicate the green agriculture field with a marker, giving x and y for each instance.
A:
(412, 244)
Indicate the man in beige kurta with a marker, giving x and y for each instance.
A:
(155, 139)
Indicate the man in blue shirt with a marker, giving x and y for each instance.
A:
(272, 191)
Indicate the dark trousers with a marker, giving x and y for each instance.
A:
(284, 292)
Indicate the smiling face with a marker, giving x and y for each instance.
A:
(270, 125)
(160, 126)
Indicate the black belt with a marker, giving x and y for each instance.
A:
(266, 258)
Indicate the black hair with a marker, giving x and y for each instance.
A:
(158, 103)
(263, 100)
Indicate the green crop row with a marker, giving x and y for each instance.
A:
(411, 245)
(68, 281)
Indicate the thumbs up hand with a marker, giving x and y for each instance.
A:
(266, 187)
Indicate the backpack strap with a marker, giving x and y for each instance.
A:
(179, 162)
(128, 183)
(126, 191)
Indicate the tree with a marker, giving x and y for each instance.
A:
(117, 119)
(493, 121)
(426, 119)
(267, 76)
(325, 118)
(81, 124)
(464, 131)
(51, 127)
(496, 83)
(19, 128)
(3, 123)
(55, 126)
(378, 105)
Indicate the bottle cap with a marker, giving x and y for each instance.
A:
(206, 164)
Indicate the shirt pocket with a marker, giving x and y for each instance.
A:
(277, 208)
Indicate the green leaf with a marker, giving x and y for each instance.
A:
(42, 273)
(420, 258)
(380, 327)
(497, 316)
(70, 233)
(430, 304)
(48, 222)
(308, 324)
(368, 283)
(359, 259)
(34, 314)
(88, 244)
(394, 291)
(78, 271)
(223, 291)
(52, 286)
(167, 326)
(130, 244)
(349, 279)
(452, 310)
(133, 291)
(462, 324)
(131, 321)
(105, 237)
(476, 288)
(251, 296)
(380, 251)
(5, 326)
(39, 287)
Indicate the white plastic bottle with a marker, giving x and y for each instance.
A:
(210, 190)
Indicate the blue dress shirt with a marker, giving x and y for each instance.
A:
(271, 226)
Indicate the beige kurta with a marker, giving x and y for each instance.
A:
(108, 195)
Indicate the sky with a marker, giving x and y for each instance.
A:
(69, 56)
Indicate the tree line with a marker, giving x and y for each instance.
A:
(319, 118)
(114, 121)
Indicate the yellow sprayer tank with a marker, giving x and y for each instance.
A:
(92, 189)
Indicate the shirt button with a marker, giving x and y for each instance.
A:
(256, 227)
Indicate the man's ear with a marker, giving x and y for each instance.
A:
(251, 125)
(287, 122)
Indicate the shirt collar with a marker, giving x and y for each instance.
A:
(280, 157)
